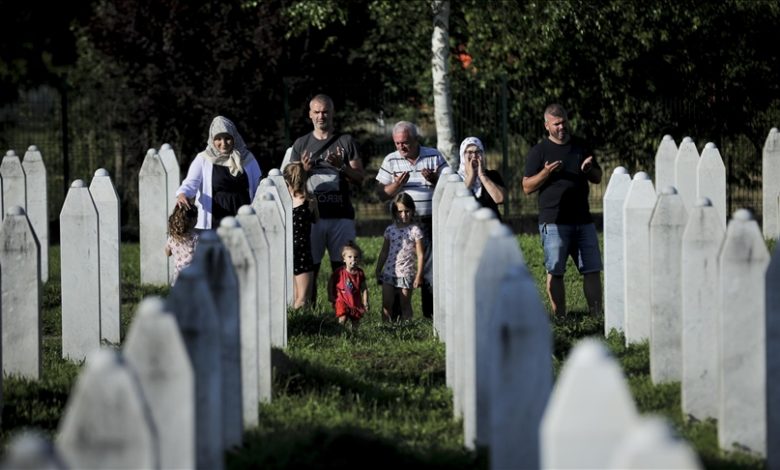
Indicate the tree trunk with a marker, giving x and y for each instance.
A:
(442, 101)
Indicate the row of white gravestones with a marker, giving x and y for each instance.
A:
(285, 201)
(89, 237)
(158, 180)
(591, 420)
(681, 306)
(497, 334)
(20, 304)
(693, 176)
(770, 176)
(23, 184)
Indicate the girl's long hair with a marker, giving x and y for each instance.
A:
(404, 199)
(181, 221)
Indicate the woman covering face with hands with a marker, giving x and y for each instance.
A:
(486, 185)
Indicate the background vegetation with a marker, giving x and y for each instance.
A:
(376, 397)
(137, 73)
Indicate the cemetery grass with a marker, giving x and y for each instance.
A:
(344, 398)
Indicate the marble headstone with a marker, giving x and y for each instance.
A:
(770, 177)
(107, 204)
(685, 167)
(37, 203)
(665, 159)
(614, 198)
(153, 219)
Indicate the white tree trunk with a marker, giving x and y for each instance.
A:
(442, 101)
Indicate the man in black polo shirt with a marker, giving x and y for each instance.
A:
(560, 168)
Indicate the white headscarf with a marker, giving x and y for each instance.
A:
(476, 187)
(238, 158)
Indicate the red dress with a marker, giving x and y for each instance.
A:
(349, 298)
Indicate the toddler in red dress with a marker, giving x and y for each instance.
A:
(347, 289)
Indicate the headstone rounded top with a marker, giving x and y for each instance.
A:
(484, 214)
(773, 130)
(501, 230)
(589, 351)
(704, 201)
(454, 178)
(15, 210)
(472, 205)
(32, 148)
(246, 209)
(101, 172)
(742, 215)
(669, 191)
(165, 147)
(28, 446)
(641, 175)
(621, 170)
(77, 184)
(101, 359)
(268, 197)
(10, 153)
(710, 145)
(267, 182)
(229, 222)
(687, 140)
(151, 305)
(152, 151)
(462, 192)
(274, 172)
(667, 137)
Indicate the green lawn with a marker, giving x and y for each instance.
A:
(353, 399)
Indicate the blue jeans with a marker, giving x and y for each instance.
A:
(578, 241)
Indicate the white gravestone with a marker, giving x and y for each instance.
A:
(665, 159)
(269, 186)
(270, 217)
(455, 225)
(21, 296)
(106, 423)
(637, 210)
(702, 239)
(614, 198)
(651, 443)
(475, 295)
(191, 303)
(443, 195)
(666, 231)
(590, 410)
(155, 350)
(153, 219)
(214, 259)
(685, 166)
(241, 254)
(37, 203)
(773, 359)
(172, 181)
(711, 179)
(31, 450)
(107, 204)
(256, 236)
(770, 171)
(520, 370)
(286, 200)
(743, 263)
(14, 181)
(80, 268)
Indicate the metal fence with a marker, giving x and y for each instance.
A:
(76, 135)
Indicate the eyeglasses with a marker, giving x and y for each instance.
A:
(471, 153)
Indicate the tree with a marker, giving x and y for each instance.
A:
(442, 101)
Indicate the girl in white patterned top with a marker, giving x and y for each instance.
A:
(397, 269)
(182, 237)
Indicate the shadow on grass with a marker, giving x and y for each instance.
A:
(343, 448)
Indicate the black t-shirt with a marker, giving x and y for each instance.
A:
(325, 181)
(563, 198)
(484, 197)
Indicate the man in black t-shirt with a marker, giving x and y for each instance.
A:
(560, 168)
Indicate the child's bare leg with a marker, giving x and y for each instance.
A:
(343, 320)
(388, 295)
(302, 289)
(406, 303)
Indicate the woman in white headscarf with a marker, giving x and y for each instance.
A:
(221, 178)
(486, 185)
